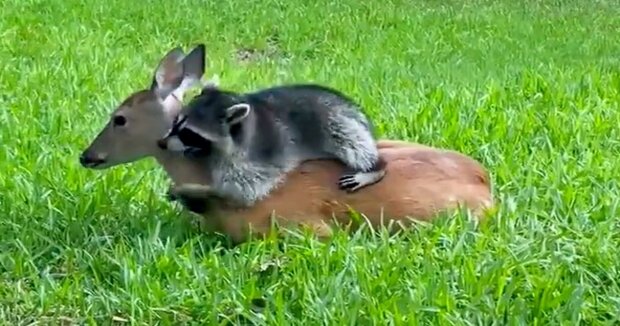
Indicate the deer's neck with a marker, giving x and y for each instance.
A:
(181, 169)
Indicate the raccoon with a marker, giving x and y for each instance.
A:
(250, 141)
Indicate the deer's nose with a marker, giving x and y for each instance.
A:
(88, 160)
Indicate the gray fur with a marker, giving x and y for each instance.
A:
(285, 126)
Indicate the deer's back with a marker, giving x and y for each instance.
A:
(420, 182)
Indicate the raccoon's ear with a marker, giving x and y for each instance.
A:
(237, 112)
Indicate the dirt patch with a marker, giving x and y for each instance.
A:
(251, 54)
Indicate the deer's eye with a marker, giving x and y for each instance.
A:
(119, 121)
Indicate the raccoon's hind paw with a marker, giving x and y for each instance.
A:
(356, 181)
(348, 182)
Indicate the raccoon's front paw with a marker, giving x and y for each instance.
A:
(180, 194)
(190, 190)
(170, 194)
(194, 205)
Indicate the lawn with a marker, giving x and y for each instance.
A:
(528, 88)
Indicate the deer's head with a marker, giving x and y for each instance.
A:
(146, 115)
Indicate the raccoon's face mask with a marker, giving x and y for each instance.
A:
(182, 137)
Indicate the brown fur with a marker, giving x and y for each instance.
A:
(420, 182)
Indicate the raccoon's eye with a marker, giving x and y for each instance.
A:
(119, 121)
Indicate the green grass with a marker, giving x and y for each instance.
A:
(529, 88)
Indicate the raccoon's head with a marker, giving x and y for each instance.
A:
(212, 120)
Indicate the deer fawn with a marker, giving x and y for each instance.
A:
(420, 183)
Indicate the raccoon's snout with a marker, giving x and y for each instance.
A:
(162, 144)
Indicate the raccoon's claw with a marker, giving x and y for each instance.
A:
(349, 182)
(353, 182)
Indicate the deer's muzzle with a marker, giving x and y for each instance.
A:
(91, 160)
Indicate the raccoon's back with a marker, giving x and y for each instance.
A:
(306, 105)
(270, 137)
(306, 112)
(303, 97)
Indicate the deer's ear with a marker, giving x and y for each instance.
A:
(193, 67)
(237, 113)
(169, 73)
(194, 63)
